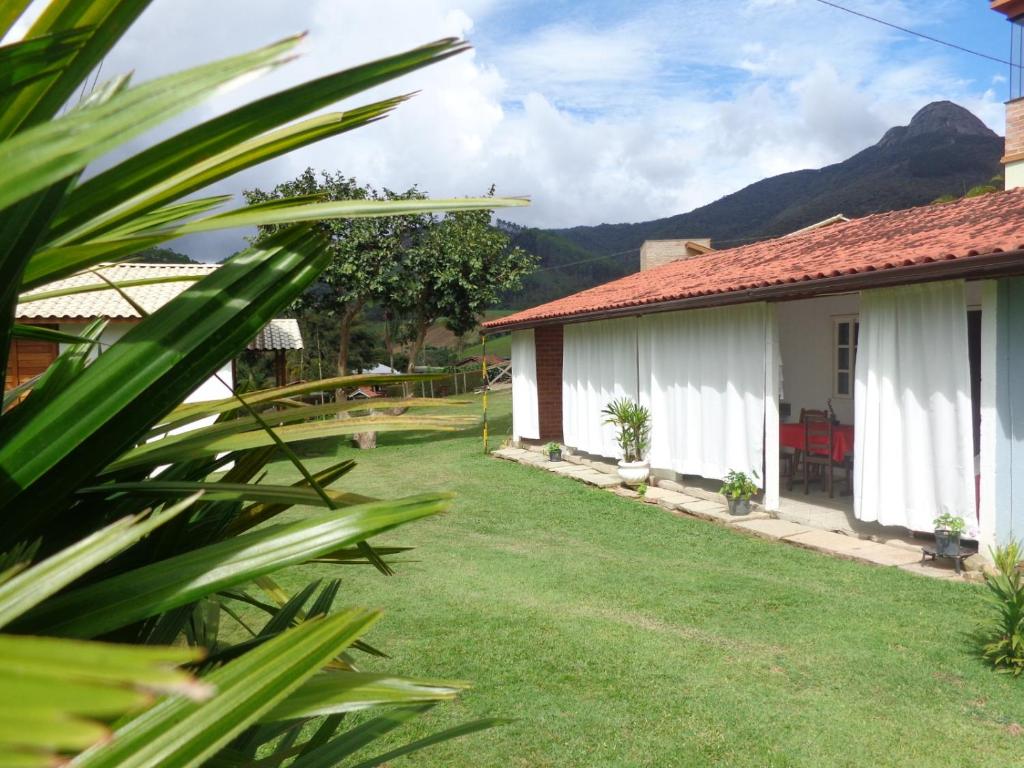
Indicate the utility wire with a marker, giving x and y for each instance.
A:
(922, 35)
(637, 250)
(838, 7)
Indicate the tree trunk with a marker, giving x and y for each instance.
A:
(345, 330)
(417, 344)
(389, 341)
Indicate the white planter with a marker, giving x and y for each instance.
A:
(634, 472)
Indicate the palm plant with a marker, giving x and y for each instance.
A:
(1005, 647)
(633, 424)
(127, 542)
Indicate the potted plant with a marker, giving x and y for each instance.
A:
(554, 451)
(948, 529)
(633, 422)
(737, 488)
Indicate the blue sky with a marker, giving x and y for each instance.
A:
(600, 111)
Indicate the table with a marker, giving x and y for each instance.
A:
(792, 436)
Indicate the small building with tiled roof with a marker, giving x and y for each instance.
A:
(868, 370)
(141, 289)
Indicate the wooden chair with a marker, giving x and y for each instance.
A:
(793, 461)
(818, 448)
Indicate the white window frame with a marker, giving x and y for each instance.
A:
(854, 321)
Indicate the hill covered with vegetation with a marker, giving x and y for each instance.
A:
(944, 150)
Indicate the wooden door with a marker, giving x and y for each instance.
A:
(28, 359)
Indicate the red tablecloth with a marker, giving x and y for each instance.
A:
(792, 436)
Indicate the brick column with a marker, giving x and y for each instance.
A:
(1013, 160)
(548, 342)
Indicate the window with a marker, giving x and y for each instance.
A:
(846, 331)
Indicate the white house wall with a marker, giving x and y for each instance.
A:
(525, 420)
(806, 343)
(211, 389)
(599, 364)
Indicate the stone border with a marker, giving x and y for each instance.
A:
(710, 507)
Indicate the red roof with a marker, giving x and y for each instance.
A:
(955, 231)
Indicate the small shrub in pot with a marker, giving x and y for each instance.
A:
(737, 489)
(948, 529)
(633, 422)
(554, 451)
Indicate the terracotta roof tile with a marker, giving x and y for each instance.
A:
(916, 236)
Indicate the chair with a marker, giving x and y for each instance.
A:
(818, 448)
(793, 466)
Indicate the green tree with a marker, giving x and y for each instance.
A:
(459, 267)
(365, 253)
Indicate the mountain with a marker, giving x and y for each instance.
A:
(945, 150)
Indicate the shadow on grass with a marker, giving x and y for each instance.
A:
(499, 429)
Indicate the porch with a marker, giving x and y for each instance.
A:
(818, 342)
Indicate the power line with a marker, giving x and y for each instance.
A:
(587, 261)
(637, 250)
(914, 32)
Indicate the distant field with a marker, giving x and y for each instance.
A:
(439, 336)
(500, 346)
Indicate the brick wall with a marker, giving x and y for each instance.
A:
(548, 342)
(654, 253)
(1014, 129)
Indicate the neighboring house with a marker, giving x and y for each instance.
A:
(380, 369)
(910, 322)
(364, 393)
(71, 313)
(277, 337)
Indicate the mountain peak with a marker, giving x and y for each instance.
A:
(938, 117)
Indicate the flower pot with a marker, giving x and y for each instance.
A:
(947, 543)
(634, 472)
(739, 507)
(555, 455)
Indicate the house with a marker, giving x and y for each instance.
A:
(71, 312)
(910, 323)
(364, 393)
(381, 369)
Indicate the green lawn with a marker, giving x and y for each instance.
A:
(499, 345)
(616, 634)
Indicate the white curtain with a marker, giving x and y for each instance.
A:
(913, 452)
(524, 386)
(705, 376)
(598, 365)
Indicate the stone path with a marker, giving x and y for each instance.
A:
(758, 523)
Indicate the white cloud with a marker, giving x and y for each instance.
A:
(642, 113)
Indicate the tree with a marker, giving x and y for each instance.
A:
(365, 253)
(459, 267)
(157, 255)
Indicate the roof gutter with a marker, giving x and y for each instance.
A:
(1001, 264)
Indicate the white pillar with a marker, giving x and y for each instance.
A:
(989, 415)
(771, 411)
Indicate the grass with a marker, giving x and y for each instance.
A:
(499, 345)
(616, 634)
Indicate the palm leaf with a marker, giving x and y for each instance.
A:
(135, 595)
(133, 178)
(32, 586)
(177, 732)
(42, 155)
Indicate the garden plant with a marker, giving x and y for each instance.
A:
(128, 544)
